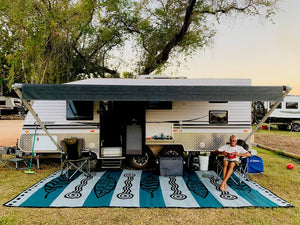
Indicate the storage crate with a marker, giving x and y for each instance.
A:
(171, 166)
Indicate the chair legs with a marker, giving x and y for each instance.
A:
(240, 171)
(82, 166)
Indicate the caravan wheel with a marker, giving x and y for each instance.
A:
(171, 151)
(140, 162)
(282, 127)
(296, 127)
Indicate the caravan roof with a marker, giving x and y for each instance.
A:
(154, 90)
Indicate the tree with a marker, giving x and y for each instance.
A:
(183, 27)
(56, 41)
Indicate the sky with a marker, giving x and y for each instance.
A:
(267, 53)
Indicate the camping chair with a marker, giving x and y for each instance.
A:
(74, 161)
(240, 172)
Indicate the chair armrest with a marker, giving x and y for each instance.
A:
(86, 154)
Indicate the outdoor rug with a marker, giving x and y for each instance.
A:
(137, 188)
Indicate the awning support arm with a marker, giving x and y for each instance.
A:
(286, 91)
(35, 115)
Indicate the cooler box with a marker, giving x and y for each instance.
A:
(171, 166)
(255, 164)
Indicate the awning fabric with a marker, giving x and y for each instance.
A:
(88, 92)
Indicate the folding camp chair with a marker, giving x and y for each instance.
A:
(240, 171)
(74, 161)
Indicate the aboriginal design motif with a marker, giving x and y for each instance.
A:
(126, 194)
(224, 194)
(104, 186)
(241, 187)
(78, 189)
(177, 194)
(150, 184)
(57, 183)
(196, 186)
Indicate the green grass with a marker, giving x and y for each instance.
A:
(281, 181)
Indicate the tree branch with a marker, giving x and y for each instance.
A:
(164, 55)
(103, 68)
(227, 9)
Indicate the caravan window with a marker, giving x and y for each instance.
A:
(272, 103)
(291, 105)
(218, 101)
(218, 116)
(79, 110)
(2, 102)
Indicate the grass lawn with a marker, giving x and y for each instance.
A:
(281, 181)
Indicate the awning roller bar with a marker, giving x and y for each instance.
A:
(87, 92)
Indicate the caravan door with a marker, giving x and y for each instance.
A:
(123, 125)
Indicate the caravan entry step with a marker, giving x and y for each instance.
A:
(107, 152)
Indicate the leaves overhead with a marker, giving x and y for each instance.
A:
(56, 41)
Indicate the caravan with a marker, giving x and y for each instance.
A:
(287, 114)
(10, 105)
(138, 120)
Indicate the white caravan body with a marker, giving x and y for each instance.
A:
(288, 109)
(192, 125)
(142, 120)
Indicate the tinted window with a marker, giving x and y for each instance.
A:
(2, 102)
(291, 105)
(79, 110)
(218, 101)
(218, 116)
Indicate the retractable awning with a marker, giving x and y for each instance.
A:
(140, 92)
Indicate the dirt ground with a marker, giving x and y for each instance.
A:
(285, 143)
(11, 129)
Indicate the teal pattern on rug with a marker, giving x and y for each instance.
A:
(137, 188)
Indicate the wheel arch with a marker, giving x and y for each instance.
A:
(157, 148)
(172, 150)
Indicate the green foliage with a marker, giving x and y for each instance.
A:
(57, 41)
(128, 75)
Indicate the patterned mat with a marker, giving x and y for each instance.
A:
(137, 188)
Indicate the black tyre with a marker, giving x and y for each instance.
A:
(296, 127)
(141, 162)
(171, 151)
(282, 127)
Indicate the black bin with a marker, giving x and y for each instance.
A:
(171, 166)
